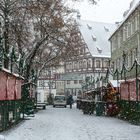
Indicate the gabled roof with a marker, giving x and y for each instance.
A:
(11, 73)
(96, 35)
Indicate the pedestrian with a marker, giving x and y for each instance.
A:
(70, 100)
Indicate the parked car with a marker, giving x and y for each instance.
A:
(60, 100)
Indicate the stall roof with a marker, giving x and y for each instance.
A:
(14, 74)
(131, 80)
(115, 83)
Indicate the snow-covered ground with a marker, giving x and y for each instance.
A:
(71, 124)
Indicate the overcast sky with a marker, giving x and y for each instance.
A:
(109, 11)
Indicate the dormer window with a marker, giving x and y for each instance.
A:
(99, 49)
(106, 29)
(89, 26)
(94, 37)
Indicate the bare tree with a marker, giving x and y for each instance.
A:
(37, 29)
(40, 31)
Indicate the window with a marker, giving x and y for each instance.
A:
(85, 65)
(68, 82)
(79, 64)
(129, 29)
(124, 33)
(81, 51)
(75, 81)
(120, 38)
(70, 66)
(99, 49)
(106, 63)
(136, 27)
(80, 81)
(98, 63)
(75, 65)
(89, 63)
(133, 26)
(138, 22)
(67, 65)
(94, 37)
(89, 26)
(131, 58)
(41, 83)
(106, 29)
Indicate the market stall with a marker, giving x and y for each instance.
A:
(10, 97)
(87, 102)
(112, 96)
(130, 100)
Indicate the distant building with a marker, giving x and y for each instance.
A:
(72, 83)
(90, 59)
(46, 84)
(93, 56)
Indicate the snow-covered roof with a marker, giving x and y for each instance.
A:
(96, 35)
(115, 83)
(133, 5)
(14, 74)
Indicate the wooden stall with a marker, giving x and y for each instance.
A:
(130, 100)
(3, 85)
(112, 97)
(10, 85)
(87, 102)
(128, 90)
(10, 96)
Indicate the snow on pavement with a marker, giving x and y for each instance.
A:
(71, 124)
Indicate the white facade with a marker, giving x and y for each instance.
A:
(48, 83)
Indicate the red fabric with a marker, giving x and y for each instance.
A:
(124, 91)
(3, 85)
(11, 87)
(128, 91)
(132, 87)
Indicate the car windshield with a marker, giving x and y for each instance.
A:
(59, 97)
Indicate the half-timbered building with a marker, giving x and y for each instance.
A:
(93, 55)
